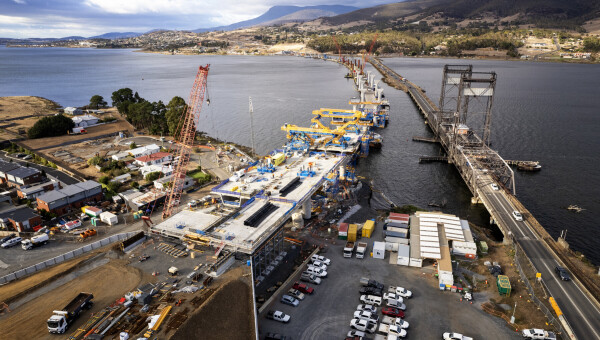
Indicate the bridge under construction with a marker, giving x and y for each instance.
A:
(461, 122)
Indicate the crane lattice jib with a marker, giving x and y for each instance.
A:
(186, 139)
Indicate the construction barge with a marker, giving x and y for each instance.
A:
(258, 200)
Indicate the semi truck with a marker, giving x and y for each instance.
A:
(35, 241)
(348, 249)
(361, 248)
(61, 319)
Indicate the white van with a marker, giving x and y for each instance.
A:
(370, 299)
(316, 271)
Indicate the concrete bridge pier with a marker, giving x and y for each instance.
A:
(307, 209)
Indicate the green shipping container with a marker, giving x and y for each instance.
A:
(483, 247)
(503, 284)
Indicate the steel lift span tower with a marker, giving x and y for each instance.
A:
(187, 135)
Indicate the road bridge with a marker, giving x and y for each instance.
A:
(491, 181)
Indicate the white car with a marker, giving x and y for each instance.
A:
(367, 308)
(288, 300)
(392, 296)
(296, 293)
(536, 333)
(371, 317)
(316, 271)
(495, 186)
(278, 316)
(403, 292)
(356, 333)
(318, 265)
(517, 215)
(456, 336)
(308, 277)
(11, 242)
(363, 325)
(370, 299)
(323, 259)
(396, 304)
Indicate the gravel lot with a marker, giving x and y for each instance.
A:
(327, 313)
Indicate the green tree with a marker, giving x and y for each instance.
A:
(97, 101)
(104, 180)
(175, 110)
(51, 126)
(132, 145)
(121, 96)
(153, 176)
(135, 184)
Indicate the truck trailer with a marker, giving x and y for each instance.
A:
(61, 319)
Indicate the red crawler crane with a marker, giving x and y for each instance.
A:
(186, 138)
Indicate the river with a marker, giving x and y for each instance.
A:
(542, 111)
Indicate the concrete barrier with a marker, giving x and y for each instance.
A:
(63, 257)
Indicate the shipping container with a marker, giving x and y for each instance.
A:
(503, 284)
(483, 247)
(352, 231)
(343, 231)
(368, 227)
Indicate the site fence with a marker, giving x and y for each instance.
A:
(64, 257)
(525, 266)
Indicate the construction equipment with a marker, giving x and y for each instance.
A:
(338, 48)
(158, 322)
(185, 140)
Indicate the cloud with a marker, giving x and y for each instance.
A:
(20, 2)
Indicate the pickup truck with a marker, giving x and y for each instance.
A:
(310, 278)
(361, 248)
(536, 333)
(348, 249)
(392, 329)
(388, 320)
(364, 315)
(455, 336)
(278, 316)
(370, 283)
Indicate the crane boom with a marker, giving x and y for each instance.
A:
(186, 139)
(338, 48)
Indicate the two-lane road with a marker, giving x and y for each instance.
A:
(581, 313)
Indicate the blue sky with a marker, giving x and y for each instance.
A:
(61, 18)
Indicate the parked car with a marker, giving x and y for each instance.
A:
(371, 283)
(296, 294)
(318, 265)
(395, 304)
(391, 311)
(401, 291)
(370, 291)
(323, 259)
(393, 296)
(370, 299)
(275, 336)
(371, 317)
(356, 333)
(495, 186)
(562, 273)
(278, 316)
(289, 300)
(303, 288)
(6, 238)
(192, 204)
(363, 325)
(316, 271)
(368, 308)
(517, 215)
(28, 157)
(11, 242)
(538, 334)
(455, 336)
(308, 277)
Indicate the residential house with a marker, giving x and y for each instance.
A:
(155, 158)
(5, 167)
(166, 170)
(24, 176)
(85, 121)
(33, 191)
(21, 219)
(70, 198)
(144, 150)
(120, 156)
(161, 183)
(73, 111)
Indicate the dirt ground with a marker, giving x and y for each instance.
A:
(227, 314)
(22, 112)
(107, 283)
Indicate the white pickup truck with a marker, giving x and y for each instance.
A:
(455, 336)
(388, 320)
(536, 333)
(392, 330)
(403, 292)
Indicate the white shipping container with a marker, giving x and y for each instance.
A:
(109, 218)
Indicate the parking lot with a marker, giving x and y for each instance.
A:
(326, 314)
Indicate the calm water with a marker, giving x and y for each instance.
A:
(545, 112)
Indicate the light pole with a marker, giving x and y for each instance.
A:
(512, 318)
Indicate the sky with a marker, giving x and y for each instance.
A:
(63, 18)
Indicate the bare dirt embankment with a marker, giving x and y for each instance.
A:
(107, 283)
(227, 314)
(21, 112)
